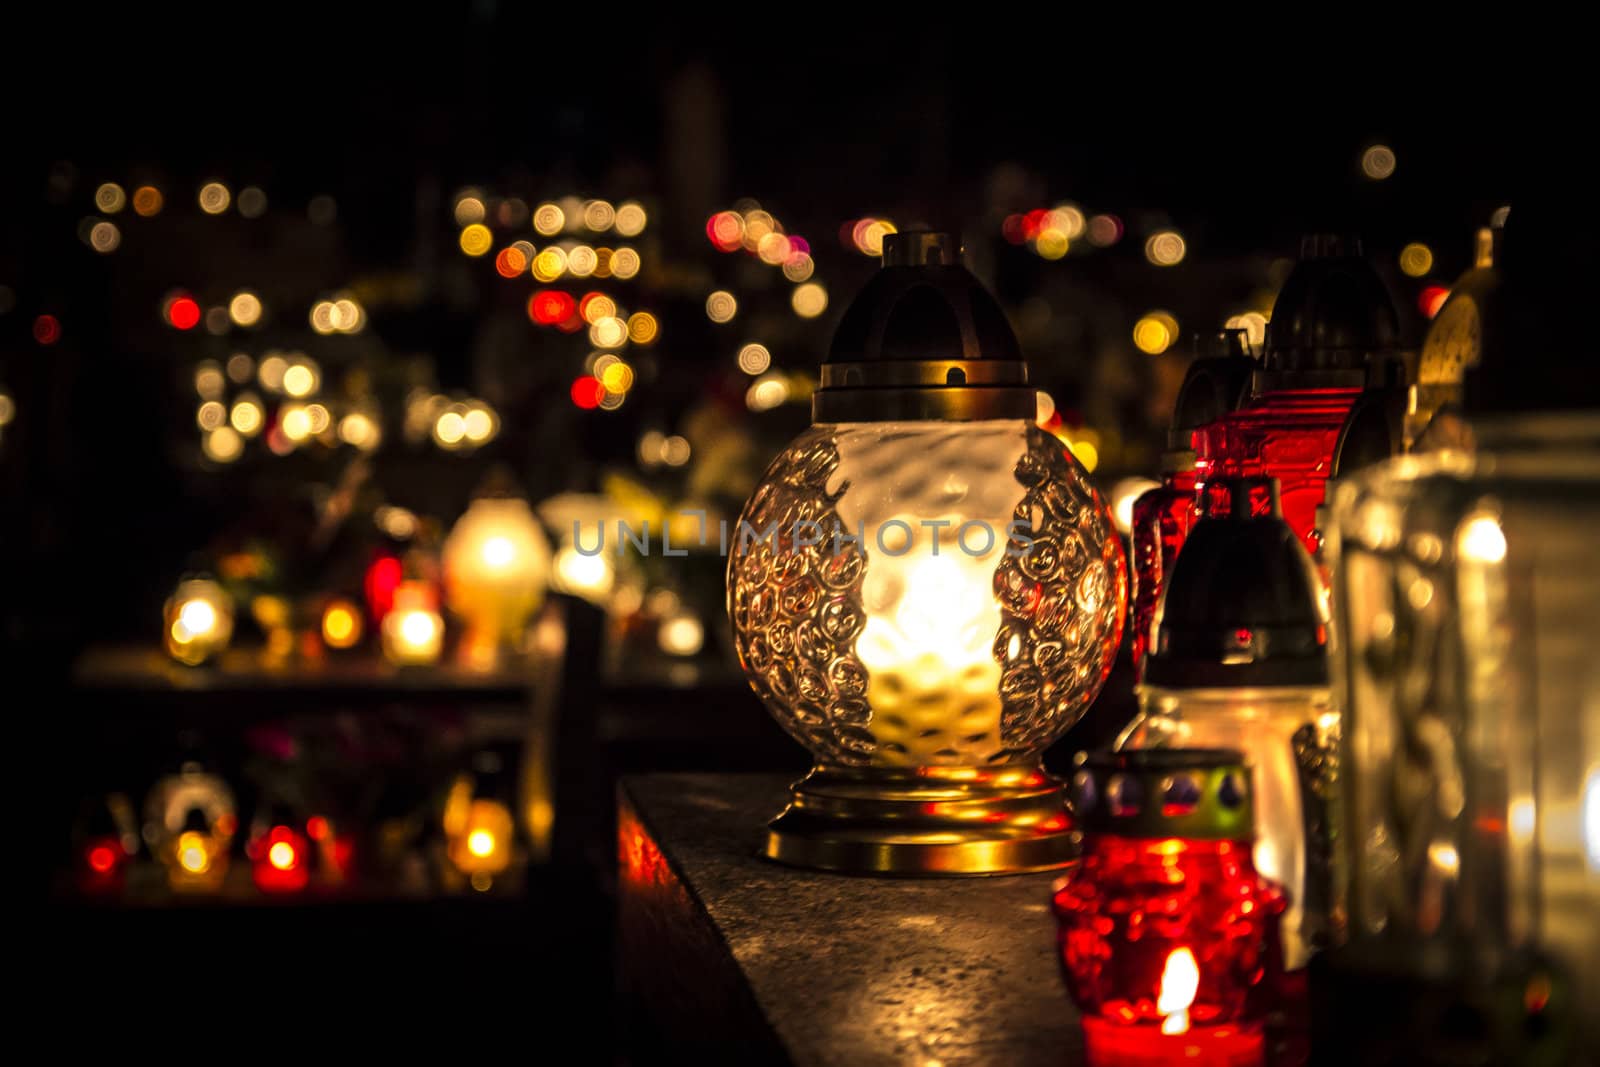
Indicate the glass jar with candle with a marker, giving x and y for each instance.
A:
(1468, 603)
(496, 564)
(1166, 932)
(1239, 661)
(925, 589)
(413, 632)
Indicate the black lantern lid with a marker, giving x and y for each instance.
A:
(923, 340)
(1333, 324)
(1196, 793)
(1541, 357)
(1241, 607)
(1217, 382)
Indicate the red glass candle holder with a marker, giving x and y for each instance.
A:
(1166, 931)
(1291, 435)
(1161, 521)
(280, 860)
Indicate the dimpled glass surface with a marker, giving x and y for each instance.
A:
(973, 621)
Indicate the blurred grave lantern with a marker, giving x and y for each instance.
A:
(1467, 600)
(1215, 384)
(412, 630)
(198, 621)
(189, 825)
(496, 567)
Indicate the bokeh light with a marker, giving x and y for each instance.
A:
(1254, 325)
(631, 219)
(726, 231)
(643, 328)
(300, 379)
(1104, 231)
(241, 368)
(1155, 332)
(271, 371)
(181, 311)
(1416, 259)
(721, 306)
(599, 215)
(211, 415)
(110, 199)
(47, 329)
(548, 219)
(245, 308)
(624, 263)
(476, 239)
(214, 198)
(252, 202)
(147, 201)
(223, 445)
(867, 235)
(550, 306)
(360, 430)
(766, 393)
(550, 264)
(1165, 248)
(510, 262)
(105, 237)
(469, 209)
(617, 378)
(809, 300)
(208, 380)
(608, 332)
(799, 266)
(581, 261)
(247, 415)
(1378, 162)
(754, 358)
(675, 451)
(587, 392)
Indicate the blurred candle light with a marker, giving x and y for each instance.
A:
(147, 201)
(631, 219)
(413, 632)
(482, 848)
(721, 306)
(214, 198)
(496, 566)
(198, 620)
(341, 624)
(109, 198)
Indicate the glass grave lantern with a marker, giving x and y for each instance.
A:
(1467, 598)
(1239, 661)
(1214, 385)
(925, 589)
(1330, 393)
(496, 566)
(1166, 933)
(189, 823)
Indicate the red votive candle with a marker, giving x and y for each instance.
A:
(1165, 930)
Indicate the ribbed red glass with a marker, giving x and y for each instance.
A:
(1161, 520)
(1291, 435)
(1134, 902)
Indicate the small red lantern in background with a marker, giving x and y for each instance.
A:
(1166, 931)
(281, 860)
(1214, 385)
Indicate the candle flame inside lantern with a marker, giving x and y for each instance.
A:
(1180, 981)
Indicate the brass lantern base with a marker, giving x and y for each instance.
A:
(930, 821)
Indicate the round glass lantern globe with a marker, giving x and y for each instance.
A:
(926, 594)
(496, 566)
